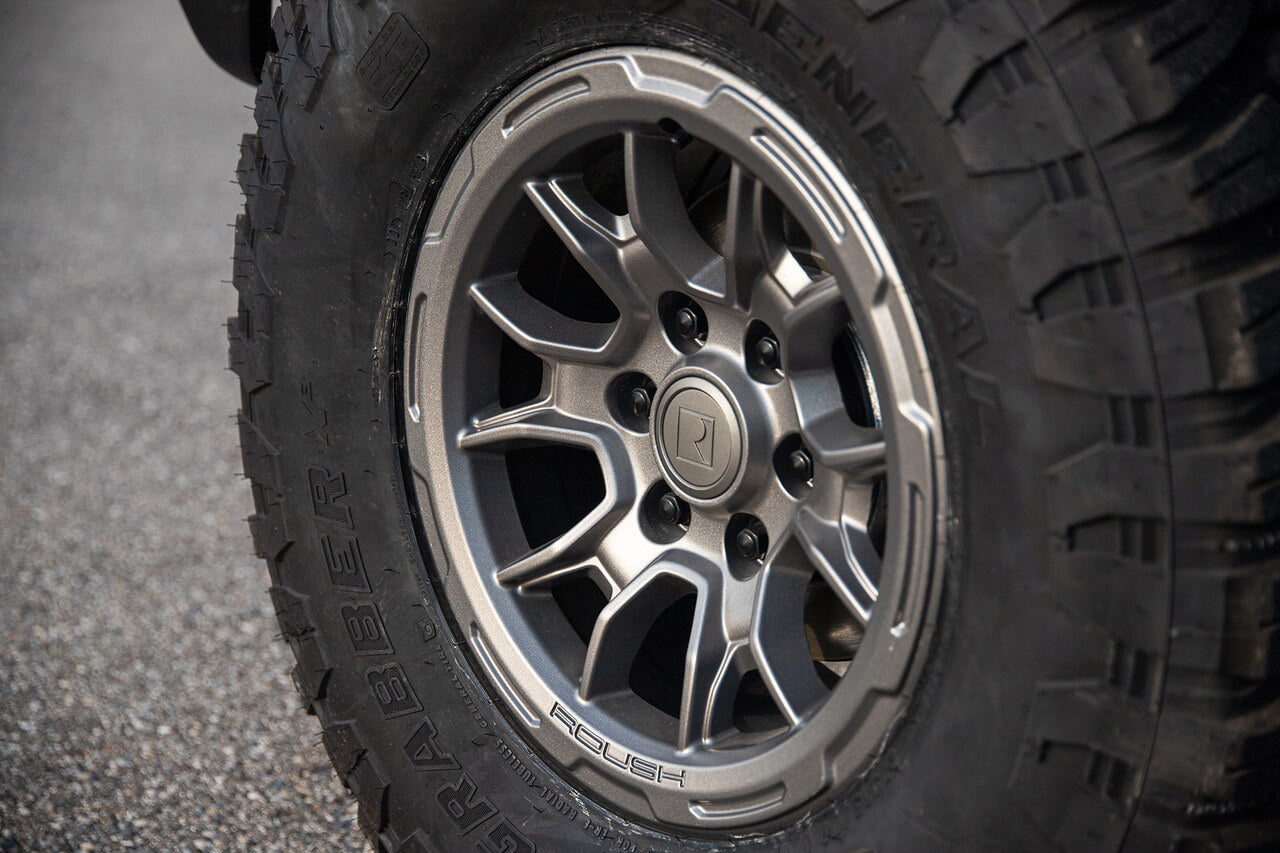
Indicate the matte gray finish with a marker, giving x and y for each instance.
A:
(574, 702)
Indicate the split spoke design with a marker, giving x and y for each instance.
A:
(599, 240)
(625, 620)
(845, 557)
(620, 629)
(544, 423)
(810, 328)
(714, 662)
(706, 702)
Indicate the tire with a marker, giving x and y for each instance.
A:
(1081, 202)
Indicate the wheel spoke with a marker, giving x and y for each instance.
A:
(544, 331)
(543, 423)
(621, 628)
(710, 674)
(743, 249)
(539, 422)
(845, 557)
(570, 552)
(779, 642)
(622, 553)
(810, 327)
(661, 220)
(810, 330)
(837, 443)
(596, 237)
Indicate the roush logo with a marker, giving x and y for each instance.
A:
(695, 437)
(613, 754)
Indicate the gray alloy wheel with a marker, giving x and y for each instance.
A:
(671, 409)
(599, 469)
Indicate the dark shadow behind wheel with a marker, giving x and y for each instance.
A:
(1082, 204)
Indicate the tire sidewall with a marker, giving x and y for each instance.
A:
(362, 184)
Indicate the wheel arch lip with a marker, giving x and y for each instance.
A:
(236, 34)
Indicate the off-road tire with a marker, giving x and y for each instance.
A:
(1082, 200)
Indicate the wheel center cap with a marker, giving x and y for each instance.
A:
(698, 435)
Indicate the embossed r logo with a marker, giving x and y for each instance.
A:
(695, 437)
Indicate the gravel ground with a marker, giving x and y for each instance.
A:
(144, 696)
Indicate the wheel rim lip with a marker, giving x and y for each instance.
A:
(840, 730)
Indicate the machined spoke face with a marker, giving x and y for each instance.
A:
(656, 402)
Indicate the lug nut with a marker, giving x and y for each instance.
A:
(669, 508)
(639, 400)
(767, 352)
(801, 464)
(687, 325)
(748, 543)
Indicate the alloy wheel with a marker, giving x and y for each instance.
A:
(668, 399)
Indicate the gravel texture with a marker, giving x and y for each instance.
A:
(144, 695)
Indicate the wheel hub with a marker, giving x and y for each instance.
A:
(699, 438)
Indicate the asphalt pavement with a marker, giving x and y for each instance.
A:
(144, 693)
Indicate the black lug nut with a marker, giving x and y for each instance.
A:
(767, 352)
(687, 324)
(748, 542)
(669, 508)
(801, 464)
(639, 401)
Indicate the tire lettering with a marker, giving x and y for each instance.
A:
(836, 78)
(505, 838)
(344, 563)
(326, 489)
(932, 234)
(463, 807)
(791, 32)
(391, 689)
(423, 751)
(897, 163)
(315, 417)
(364, 628)
(746, 9)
